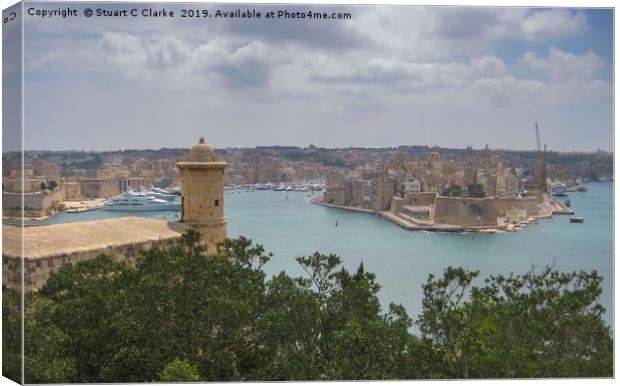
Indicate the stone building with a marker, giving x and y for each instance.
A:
(98, 187)
(202, 187)
(47, 248)
(412, 185)
(49, 170)
(72, 190)
(25, 175)
(335, 189)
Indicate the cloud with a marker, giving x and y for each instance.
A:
(553, 23)
(492, 24)
(406, 70)
(565, 66)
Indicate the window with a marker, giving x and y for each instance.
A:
(217, 202)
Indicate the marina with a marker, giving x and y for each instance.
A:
(143, 201)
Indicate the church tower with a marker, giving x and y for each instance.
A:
(202, 193)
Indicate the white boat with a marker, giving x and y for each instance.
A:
(131, 201)
(581, 188)
(558, 189)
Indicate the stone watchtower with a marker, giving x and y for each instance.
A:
(202, 193)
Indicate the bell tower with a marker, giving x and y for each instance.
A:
(202, 193)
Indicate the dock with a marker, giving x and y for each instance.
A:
(560, 208)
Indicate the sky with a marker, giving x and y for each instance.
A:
(389, 76)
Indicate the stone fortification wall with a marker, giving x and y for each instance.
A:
(335, 197)
(99, 187)
(529, 204)
(396, 206)
(465, 211)
(47, 248)
(37, 201)
(38, 270)
(424, 198)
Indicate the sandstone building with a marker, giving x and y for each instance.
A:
(47, 248)
(202, 193)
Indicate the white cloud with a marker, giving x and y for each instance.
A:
(553, 23)
(436, 62)
(565, 66)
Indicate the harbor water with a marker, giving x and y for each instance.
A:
(288, 225)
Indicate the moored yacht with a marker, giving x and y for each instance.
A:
(140, 201)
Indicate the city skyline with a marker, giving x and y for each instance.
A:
(390, 76)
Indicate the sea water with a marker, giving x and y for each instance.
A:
(288, 225)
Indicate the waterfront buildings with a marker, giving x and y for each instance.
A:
(422, 194)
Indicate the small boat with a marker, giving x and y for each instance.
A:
(567, 203)
(558, 189)
(576, 219)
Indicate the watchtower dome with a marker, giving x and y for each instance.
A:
(202, 193)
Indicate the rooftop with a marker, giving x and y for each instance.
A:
(202, 153)
(61, 239)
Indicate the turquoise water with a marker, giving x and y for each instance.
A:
(401, 259)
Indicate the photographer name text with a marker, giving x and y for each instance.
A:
(246, 13)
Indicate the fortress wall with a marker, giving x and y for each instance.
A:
(396, 205)
(99, 187)
(504, 204)
(335, 197)
(465, 212)
(529, 204)
(425, 198)
(37, 201)
(38, 270)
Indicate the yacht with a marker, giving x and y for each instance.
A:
(159, 193)
(139, 201)
(558, 189)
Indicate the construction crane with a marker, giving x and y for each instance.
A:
(542, 162)
(537, 137)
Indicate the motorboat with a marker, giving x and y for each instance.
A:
(558, 189)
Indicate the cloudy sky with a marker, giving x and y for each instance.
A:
(392, 75)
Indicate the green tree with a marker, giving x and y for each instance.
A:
(519, 326)
(179, 371)
(178, 313)
(328, 325)
(45, 360)
(475, 190)
(11, 334)
(126, 323)
(451, 191)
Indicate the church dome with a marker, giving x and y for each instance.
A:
(202, 153)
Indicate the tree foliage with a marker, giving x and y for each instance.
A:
(452, 191)
(475, 190)
(179, 371)
(181, 315)
(519, 326)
